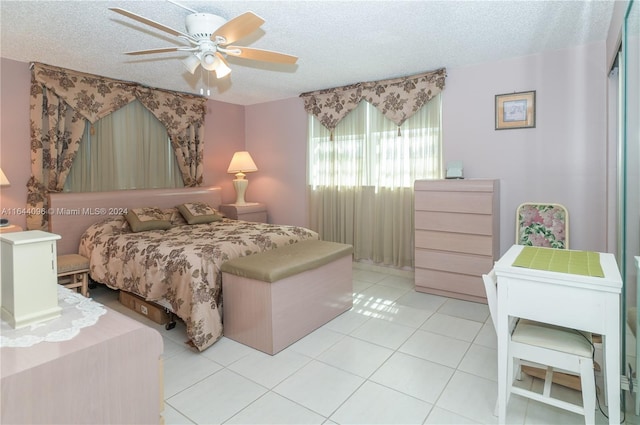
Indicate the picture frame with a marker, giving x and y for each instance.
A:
(516, 110)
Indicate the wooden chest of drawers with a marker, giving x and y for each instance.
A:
(457, 236)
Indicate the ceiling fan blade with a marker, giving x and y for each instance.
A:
(260, 55)
(239, 27)
(161, 50)
(151, 23)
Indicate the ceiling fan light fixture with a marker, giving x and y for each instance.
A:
(209, 61)
(222, 70)
(191, 62)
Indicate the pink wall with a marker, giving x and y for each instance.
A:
(562, 160)
(224, 135)
(14, 136)
(277, 140)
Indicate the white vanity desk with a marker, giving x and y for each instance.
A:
(573, 301)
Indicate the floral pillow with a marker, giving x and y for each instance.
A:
(542, 225)
(198, 213)
(148, 218)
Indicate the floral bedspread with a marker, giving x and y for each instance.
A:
(180, 265)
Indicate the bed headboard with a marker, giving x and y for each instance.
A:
(72, 213)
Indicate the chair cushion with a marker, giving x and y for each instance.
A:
(72, 262)
(542, 225)
(279, 263)
(553, 337)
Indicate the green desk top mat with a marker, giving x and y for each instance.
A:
(583, 263)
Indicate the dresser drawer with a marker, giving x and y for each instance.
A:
(474, 265)
(457, 185)
(258, 217)
(457, 235)
(455, 242)
(477, 224)
(458, 202)
(445, 282)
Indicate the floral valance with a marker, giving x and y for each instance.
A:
(95, 97)
(398, 99)
(61, 101)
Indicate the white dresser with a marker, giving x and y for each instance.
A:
(457, 236)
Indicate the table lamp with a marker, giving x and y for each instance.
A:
(4, 181)
(241, 163)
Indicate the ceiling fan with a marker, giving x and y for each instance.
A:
(210, 37)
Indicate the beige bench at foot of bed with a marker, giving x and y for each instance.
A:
(274, 298)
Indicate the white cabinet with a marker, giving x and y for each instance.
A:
(457, 236)
(29, 277)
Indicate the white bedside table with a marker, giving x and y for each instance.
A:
(252, 211)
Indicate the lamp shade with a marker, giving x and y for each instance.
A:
(4, 181)
(241, 163)
(222, 70)
(191, 62)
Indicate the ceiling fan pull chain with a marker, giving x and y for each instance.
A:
(399, 133)
(201, 82)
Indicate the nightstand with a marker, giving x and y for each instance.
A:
(29, 290)
(10, 228)
(251, 211)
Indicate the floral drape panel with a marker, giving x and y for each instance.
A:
(397, 99)
(54, 142)
(183, 116)
(61, 101)
(362, 167)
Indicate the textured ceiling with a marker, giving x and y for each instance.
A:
(337, 42)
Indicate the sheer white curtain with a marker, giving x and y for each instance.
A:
(127, 149)
(361, 179)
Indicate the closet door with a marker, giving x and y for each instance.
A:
(629, 173)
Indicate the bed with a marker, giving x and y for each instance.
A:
(178, 267)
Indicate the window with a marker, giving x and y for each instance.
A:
(128, 149)
(361, 179)
(368, 150)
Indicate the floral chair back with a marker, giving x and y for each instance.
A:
(539, 224)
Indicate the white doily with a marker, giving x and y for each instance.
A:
(77, 312)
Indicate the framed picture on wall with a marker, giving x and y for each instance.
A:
(516, 110)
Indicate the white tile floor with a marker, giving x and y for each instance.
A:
(398, 357)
